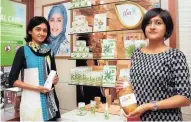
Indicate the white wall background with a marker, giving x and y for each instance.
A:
(66, 93)
(184, 40)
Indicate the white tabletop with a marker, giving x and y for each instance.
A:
(97, 117)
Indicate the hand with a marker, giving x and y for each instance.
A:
(119, 84)
(42, 89)
(140, 110)
(55, 80)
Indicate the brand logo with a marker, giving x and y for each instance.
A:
(126, 98)
(127, 12)
(130, 14)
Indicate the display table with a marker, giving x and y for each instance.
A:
(72, 117)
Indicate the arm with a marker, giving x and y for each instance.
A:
(181, 81)
(18, 64)
(23, 85)
(176, 101)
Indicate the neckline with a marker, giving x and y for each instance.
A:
(37, 53)
(167, 50)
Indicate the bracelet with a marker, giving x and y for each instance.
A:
(155, 105)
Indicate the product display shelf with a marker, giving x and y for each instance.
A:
(79, 84)
(109, 31)
(113, 29)
(98, 5)
(106, 3)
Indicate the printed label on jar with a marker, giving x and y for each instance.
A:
(127, 100)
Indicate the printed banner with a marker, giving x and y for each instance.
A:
(130, 14)
(13, 27)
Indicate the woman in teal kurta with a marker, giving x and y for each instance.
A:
(37, 103)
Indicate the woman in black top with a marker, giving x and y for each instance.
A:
(37, 102)
(159, 74)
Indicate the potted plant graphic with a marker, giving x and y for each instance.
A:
(108, 77)
(129, 50)
(107, 49)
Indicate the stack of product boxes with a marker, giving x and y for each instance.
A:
(80, 3)
(80, 51)
(94, 78)
(109, 75)
(85, 76)
(80, 25)
(78, 74)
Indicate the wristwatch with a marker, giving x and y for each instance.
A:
(154, 105)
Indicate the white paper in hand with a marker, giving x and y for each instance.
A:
(49, 80)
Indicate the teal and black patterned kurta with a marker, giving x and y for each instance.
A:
(27, 58)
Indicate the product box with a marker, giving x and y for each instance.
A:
(82, 55)
(73, 73)
(74, 55)
(81, 49)
(109, 75)
(88, 78)
(80, 18)
(74, 23)
(97, 78)
(80, 25)
(124, 73)
(80, 3)
(81, 43)
(86, 3)
(83, 24)
(100, 22)
(89, 55)
(85, 29)
(108, 48)
(78, 74)
(129, 48)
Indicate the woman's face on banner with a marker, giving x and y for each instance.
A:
(56, 24)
